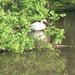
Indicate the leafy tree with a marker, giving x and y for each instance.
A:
(16, 17)
(62, 5)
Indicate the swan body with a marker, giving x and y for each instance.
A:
(38, 25)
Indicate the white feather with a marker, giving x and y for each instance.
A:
(38, 25)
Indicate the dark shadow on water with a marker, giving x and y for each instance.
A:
(68, 23)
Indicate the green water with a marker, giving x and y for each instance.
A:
(32, 63)
(68, 23)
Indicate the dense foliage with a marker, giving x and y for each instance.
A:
(16, 17)
(62, 5)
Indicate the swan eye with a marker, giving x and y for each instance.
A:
(45, 22)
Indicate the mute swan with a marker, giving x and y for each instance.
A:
(39, 25)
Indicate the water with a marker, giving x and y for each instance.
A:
(61, 62)
(68, 23)
(32, 63)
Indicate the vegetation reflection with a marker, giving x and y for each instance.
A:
(33, 63)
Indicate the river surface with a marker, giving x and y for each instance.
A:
(61, 62)
(68, 23)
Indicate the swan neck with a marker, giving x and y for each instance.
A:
(41, 21)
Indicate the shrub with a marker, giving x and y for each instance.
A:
(16, 18)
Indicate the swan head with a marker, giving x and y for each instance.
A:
(44, 22)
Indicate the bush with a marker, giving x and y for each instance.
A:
(16, 18)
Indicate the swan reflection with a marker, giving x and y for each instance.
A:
(39, 35)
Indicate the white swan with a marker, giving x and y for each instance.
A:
(39, 25)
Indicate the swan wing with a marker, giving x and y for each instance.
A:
(38, 26)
